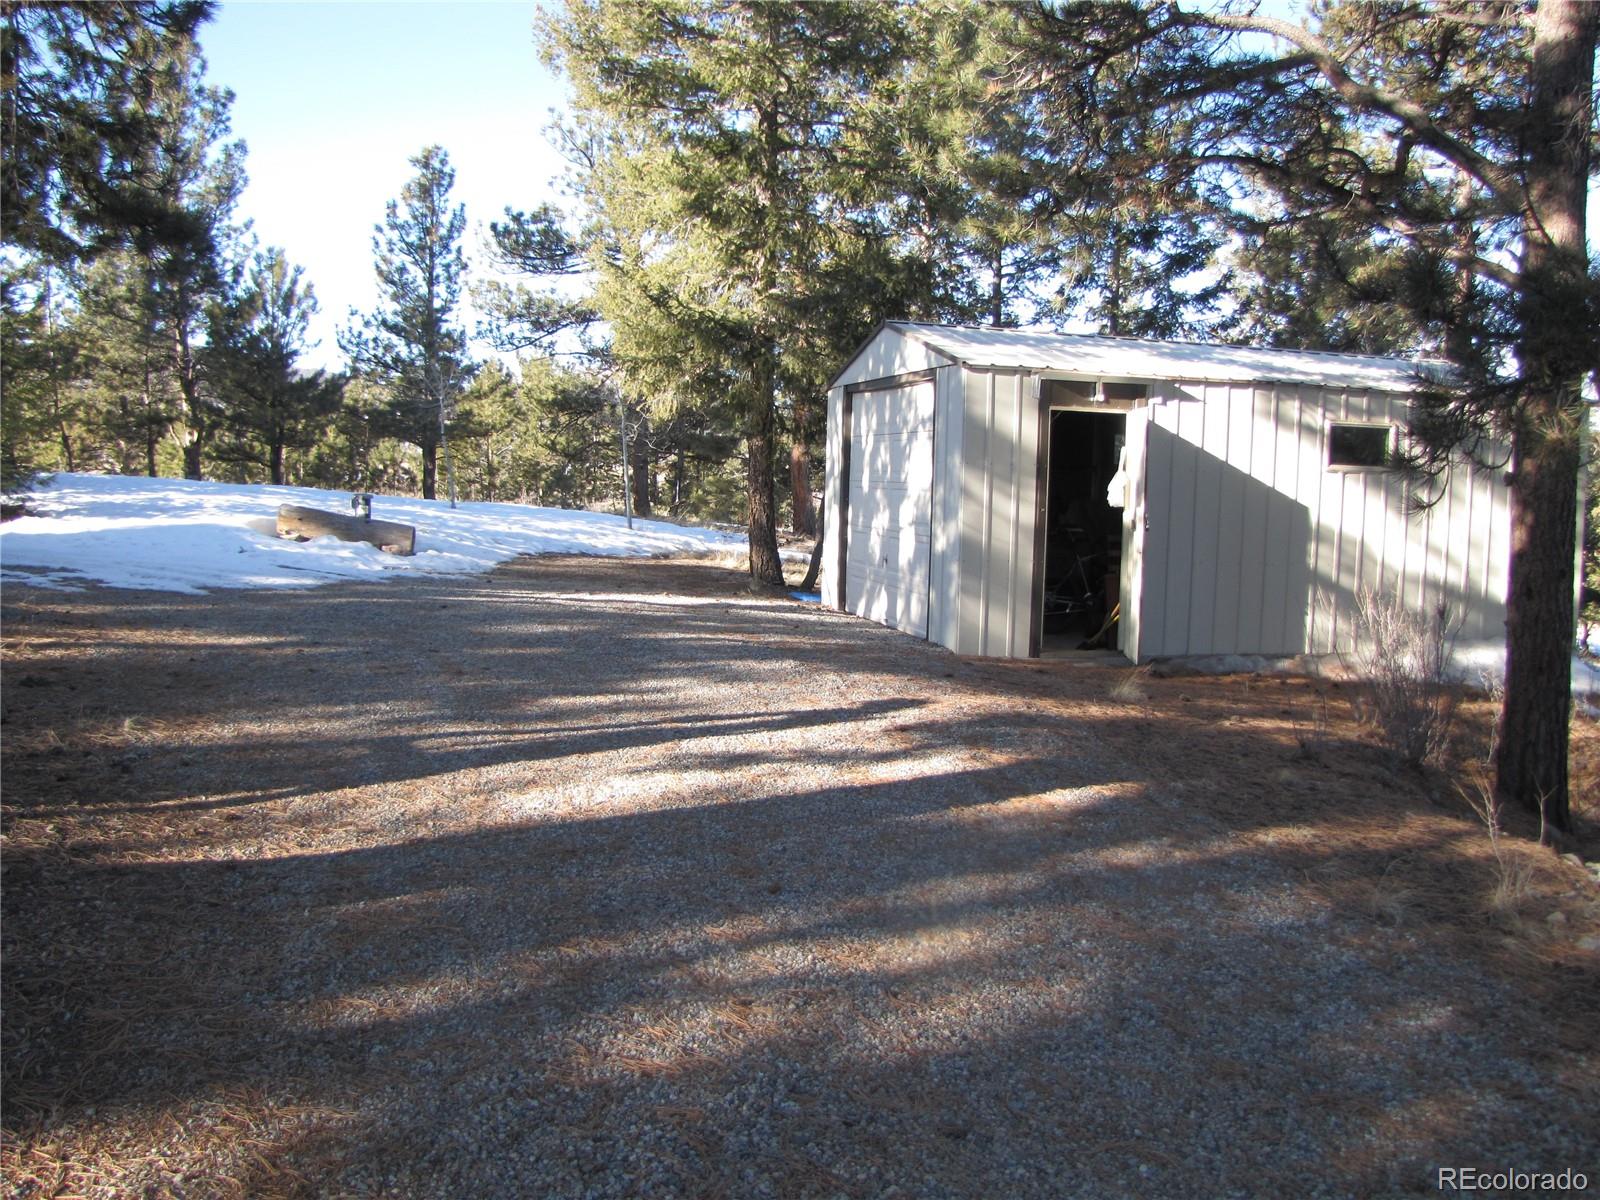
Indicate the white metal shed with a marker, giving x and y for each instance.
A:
(1001, 492)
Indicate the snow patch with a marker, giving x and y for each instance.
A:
(178, 535)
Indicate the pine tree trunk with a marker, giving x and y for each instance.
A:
(760, 420)
(765, 565)
(1113, 297)
(800, 481)
(54, 369)
(430, 469)
(1531, 749)
(275, 465)
(814, 568)
(150, 433)
(639, 451)
(184, 366)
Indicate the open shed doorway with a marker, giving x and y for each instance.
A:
(1082, 552)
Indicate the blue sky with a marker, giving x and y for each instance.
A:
(334, 98)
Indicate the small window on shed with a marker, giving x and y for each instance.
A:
(1357, 447)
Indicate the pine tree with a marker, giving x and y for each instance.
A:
(738, 155)
(1314, 286)
(75, 129)
(257, 334)
(130, 401)
(1461, 134)
(411, 344)
(191, 177)
(113, 143)
(537, 248)
(43, 423)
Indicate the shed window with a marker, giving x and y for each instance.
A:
(1359, 446)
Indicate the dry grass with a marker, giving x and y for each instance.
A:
(252, 845)
(232, 1146)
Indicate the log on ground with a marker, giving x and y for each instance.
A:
(304, 523)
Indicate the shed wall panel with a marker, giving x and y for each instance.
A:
(1255, 545)
(944, 597)
(1250, 613)
(1000, 448)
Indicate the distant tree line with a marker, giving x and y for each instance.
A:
(748, 210)
(758, 184)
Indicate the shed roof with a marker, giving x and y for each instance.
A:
(1141, 358)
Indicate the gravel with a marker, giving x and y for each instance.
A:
(599, 879)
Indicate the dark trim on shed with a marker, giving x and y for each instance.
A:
(1041, 504)
(846, 414)
(891, 381)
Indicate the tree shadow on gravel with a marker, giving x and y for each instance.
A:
(966, 930)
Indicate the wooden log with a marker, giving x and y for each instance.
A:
(304, 523)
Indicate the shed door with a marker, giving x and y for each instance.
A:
(890, 512)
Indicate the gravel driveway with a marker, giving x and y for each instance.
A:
(597, 878)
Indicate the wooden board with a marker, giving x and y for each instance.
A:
(304, 523)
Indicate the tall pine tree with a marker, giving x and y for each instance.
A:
(412, 345)
(744, 150)
(257, 334)
(192, 177)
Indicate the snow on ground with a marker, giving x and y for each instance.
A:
(179, 535)
(1485, 663)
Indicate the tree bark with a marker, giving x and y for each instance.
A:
(150, 433)
(639, 451)
(430, 470)
(814, 569)
(54, 370)
(275, 463)
(765, 565)
(1113, 298)
(187, 372)
(800, 473)
(1531, 747)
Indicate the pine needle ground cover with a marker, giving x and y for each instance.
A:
(612, 878)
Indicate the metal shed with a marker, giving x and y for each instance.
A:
(1001, 492)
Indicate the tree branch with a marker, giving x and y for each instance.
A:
(1365, 97)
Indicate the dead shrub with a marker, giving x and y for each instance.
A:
(1514, 875)
(1130, 689)
(1403, 659)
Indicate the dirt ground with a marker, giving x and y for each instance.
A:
(594, 877)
